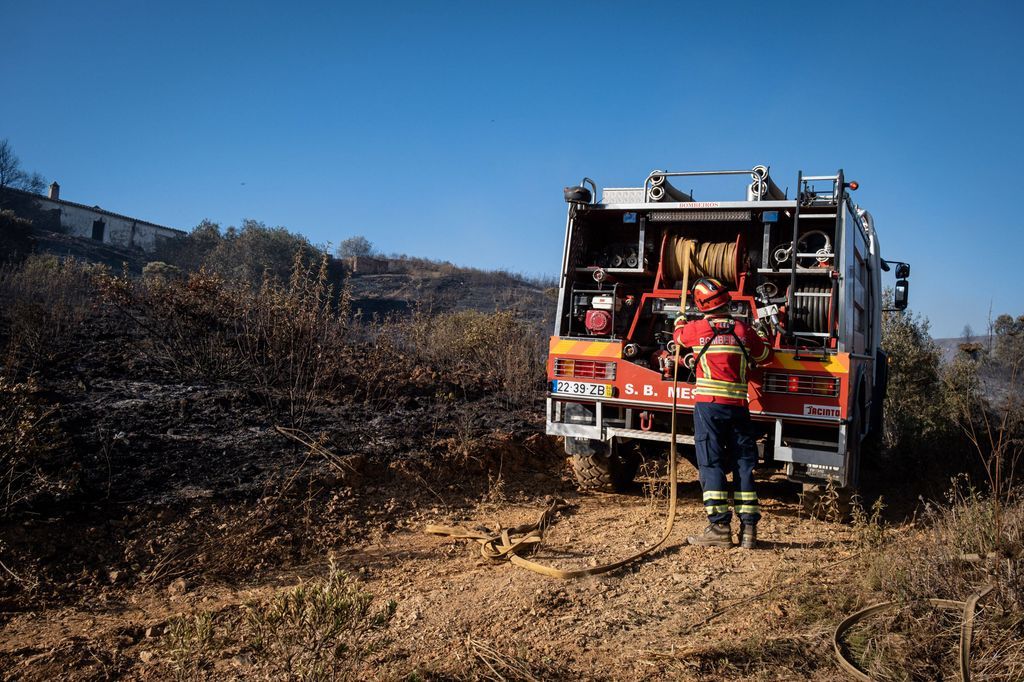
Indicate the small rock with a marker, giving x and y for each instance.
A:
(154, 631)
(241, 661)
(147, 657)
(177, 587)
(115, 576)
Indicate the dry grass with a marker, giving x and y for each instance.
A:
(29, 442)
(44, 302)
(497, 349)
(956, 553)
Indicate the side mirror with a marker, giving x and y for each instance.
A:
(902, 271)
(901, 295)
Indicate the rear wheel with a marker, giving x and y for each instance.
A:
(601, 466)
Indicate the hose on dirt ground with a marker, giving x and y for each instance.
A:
(512, 543)
(701, 259)
(966, 632)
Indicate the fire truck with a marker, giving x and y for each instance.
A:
(806, 271)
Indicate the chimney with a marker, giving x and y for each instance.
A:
(54, 190)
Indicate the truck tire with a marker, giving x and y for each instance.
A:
(599, 467)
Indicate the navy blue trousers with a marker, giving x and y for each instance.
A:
(725, 442)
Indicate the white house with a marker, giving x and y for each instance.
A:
(96, 223)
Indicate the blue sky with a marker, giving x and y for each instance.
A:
(448, 129)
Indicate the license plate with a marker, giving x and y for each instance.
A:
(581, 388)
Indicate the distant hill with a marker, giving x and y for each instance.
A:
(383, 294)
(410, 283)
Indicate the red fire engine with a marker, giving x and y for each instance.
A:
(806, 271)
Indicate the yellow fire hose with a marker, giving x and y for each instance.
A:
(512, 543)
(702, 259)
(966, 632)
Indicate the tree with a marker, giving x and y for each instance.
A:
(1008, 347)
(355, 246)
(12, 175)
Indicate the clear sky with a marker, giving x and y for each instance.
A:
(448, 129)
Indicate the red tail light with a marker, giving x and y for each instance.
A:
(801, 384)
(584, 369)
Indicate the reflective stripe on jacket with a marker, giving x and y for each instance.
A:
(722, 371)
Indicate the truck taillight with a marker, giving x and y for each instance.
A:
(584, 369)
(801, 384)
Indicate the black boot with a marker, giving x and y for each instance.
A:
(715, 535)
(748, 536)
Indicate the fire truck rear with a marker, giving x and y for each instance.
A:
(805, 271)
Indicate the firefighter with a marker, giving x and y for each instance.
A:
(724, 348)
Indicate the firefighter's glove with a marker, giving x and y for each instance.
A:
(677, 336)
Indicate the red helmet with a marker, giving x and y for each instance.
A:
(709, 294)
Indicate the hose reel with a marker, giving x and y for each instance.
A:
(812, 308)
(718, 260)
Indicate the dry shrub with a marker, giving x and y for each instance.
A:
(496, 350)
(30, 465)
(185, 325)
(291, 338)
(284, 339)
(44, 301)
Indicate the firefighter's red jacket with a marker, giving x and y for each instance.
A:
(722, 370)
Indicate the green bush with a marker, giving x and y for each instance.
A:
(917, 407)
(244, 254)
(316, 631)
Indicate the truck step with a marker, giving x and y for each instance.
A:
(683, 439)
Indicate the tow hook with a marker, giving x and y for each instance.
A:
(646, 421)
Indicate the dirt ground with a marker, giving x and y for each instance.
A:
(685, 613)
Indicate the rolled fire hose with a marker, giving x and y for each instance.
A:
(511, 542)
(662, 190)
(763, 187)
(704, 259)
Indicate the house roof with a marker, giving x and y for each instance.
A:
(94, 209)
